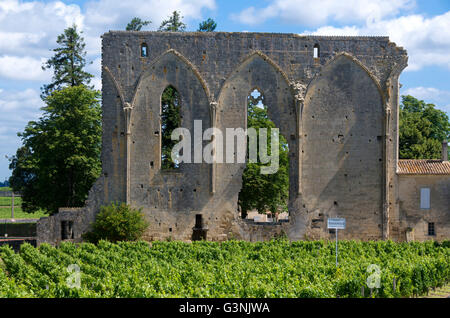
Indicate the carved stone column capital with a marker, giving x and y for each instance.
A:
(127, 109)
(299, 90)
(213, 105)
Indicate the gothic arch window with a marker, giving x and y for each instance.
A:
(316, 52)
(267, 194)
(170, 119)
(144, 50)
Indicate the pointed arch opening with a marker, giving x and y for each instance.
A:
(343, 113)
(316, 51)
(264, 196)
(170, 120)
(144, 50)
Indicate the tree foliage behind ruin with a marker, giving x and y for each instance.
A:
(422, 129)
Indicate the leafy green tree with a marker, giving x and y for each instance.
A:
(117, 222)
(422, 129)
(60, 157)
(136, 24)
(264, 192)
(22, 174)
(170, 119)
(208, 25)
(68, 62)
(174, 23)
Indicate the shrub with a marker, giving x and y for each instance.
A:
(117, 222)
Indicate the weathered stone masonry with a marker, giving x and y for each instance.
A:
(338, 112)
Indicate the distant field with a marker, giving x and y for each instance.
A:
(5, 189)
(5, 213)
(7, 201)
(5, 209)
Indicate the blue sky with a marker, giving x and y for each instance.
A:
(28, 30)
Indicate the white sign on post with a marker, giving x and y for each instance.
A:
(336, 224)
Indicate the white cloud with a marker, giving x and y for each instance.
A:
(23, 68)
(441, 98)
(427, 40)
(115, 14)
(31, 28)
(427, 93)
(95, 69)
(28, 30)
(315, 13)
(331, 30)
(97, 82)
(16, 109)
(14, 103)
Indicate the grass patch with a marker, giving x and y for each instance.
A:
(5, 189)
(5, 213)
(6, 201)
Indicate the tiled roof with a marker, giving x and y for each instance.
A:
(423, 166)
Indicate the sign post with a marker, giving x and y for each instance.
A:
(336, 224)
(336, 230)
(12, 205)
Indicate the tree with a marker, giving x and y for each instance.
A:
(22, 175)
(174, 23)
(68, 62)
(422, 129)
(208, 25)
(170, 119)
(136, 24)
(4, 184)
(264, 192)
(60, 157)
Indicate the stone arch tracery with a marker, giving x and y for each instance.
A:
(169, 69)
(343, 134)
(258, 70)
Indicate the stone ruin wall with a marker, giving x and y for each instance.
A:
(338, 112)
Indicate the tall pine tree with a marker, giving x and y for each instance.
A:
(68, 62)
(173, 24)
(209, 25)
(136, 24)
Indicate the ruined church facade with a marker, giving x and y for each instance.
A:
(334, 99)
